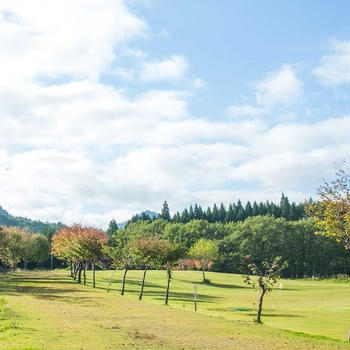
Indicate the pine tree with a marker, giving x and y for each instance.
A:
(208, 215)
(248, 209)
(112, 228)
(240, 212)
(229, 214)
(215, 214)
(165, 215)
(284, 206)
(191, 213)
(222, 213)
(255, 210)
(184, 216)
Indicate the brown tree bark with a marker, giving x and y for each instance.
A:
(123, 281)
(79, 273)
(261, 297)
(143, 282)
(203, 275)
(93, 274)
(168, 283)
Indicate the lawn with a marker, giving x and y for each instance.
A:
(47, 310)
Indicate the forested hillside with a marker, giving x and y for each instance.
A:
(38, 226)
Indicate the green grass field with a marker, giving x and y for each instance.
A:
(48, 310)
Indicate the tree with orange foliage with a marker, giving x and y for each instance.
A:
(79, 246)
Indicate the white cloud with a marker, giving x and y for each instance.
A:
(60, 38)
(172, 69)
(334, 68)
(279, 87)
(244, 110)
(82, 150)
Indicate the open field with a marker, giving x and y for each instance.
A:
(41, 310)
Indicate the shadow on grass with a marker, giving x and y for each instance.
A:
(12, 284)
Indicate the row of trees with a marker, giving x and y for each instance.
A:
(19, 246)
(235, 212)
(79, 247)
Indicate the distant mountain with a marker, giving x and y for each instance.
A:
(149, 213)
(7, 219)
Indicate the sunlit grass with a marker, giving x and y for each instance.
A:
(51, 311)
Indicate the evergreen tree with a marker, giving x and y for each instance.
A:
(240, 211)
(292, 212)
(191, 213)
(262, 208)
(284, 206)
(255, 210)
(208, 215)
(198, 212)
(215, 214)
(112, 229)
(184, 216)
(176, 217)
(222, 213)
(230, 214)
(165, 215)
(248, 209)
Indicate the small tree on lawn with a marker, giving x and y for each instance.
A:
(265, 278)
(120, 255)
(169, 254)
(205, 252)
(146, 251)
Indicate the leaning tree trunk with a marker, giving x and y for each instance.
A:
(203, 274)
(110, 280)
(93, 274)
(168, 283)
(261, 297)
(143, 282)
(123, 281)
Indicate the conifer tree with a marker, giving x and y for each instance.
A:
(165, 215)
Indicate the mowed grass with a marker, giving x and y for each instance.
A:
(48, 310)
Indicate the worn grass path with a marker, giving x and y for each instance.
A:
(47, 310)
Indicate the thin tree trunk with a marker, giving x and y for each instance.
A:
(93, 274)
(143, 282)
(25, 264)
(110, 281)
(261, 297)
(71, 269)
(168, 284)
(84, 274)
(123, 281)
(203, 275)
(79, 273)
(75, 270)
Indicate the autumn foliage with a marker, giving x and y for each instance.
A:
(79, 246)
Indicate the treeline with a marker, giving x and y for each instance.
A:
(253, 240)
(234, 213)
(37, 226)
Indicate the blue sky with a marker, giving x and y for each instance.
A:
(109, 108)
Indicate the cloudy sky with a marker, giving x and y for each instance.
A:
(107, 108)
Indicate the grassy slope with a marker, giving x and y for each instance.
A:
(48, 310)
